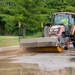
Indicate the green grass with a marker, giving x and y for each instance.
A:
(14, 40)
(38, 34)
(9, 40)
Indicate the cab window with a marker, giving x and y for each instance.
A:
(72, 19)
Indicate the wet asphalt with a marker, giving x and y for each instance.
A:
(64, 61)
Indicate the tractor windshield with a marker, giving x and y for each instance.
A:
(60, 19)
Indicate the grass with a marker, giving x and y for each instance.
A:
(38, 34)
(9, 40)
(14, 40)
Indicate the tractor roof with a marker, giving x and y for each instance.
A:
(65, 13)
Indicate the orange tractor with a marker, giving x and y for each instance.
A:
(57, 36)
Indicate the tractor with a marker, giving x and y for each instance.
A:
(57, 36)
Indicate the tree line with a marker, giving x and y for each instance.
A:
(30, 14)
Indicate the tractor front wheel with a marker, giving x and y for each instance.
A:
(67, 45)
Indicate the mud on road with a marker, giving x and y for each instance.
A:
(6, 53)
(11, 52)
(16, 61)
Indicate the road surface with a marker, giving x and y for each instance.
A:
(63, 63)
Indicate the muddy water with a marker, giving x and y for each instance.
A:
(16, 61)
(32, 69)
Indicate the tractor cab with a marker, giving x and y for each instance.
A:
(65, 19)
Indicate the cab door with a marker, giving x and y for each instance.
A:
(71, 23)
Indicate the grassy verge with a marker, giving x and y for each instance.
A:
(38, 34)
(14, 40)
(9, 40)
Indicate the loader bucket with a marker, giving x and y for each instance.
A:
(47, 44)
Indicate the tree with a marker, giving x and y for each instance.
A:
(29, 12)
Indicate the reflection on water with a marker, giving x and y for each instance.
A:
(68, 71)
(72, 59)
(32, 69)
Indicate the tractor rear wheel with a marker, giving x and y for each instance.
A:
(74, 40)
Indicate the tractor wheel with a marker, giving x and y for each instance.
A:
(74, 41)
(46, 31)
(74, 44)
(67, 45)
(63, 34)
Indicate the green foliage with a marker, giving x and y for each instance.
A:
(30, 13)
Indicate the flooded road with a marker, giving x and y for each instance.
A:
(16, 61)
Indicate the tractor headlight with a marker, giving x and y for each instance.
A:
(56, 29)
(51, 30)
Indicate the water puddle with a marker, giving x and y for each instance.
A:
(72, 59)
(18, 62)
(32, 69)
(71, 54)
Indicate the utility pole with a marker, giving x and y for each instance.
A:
(24, 31)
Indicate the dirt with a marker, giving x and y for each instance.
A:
(12, 52)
